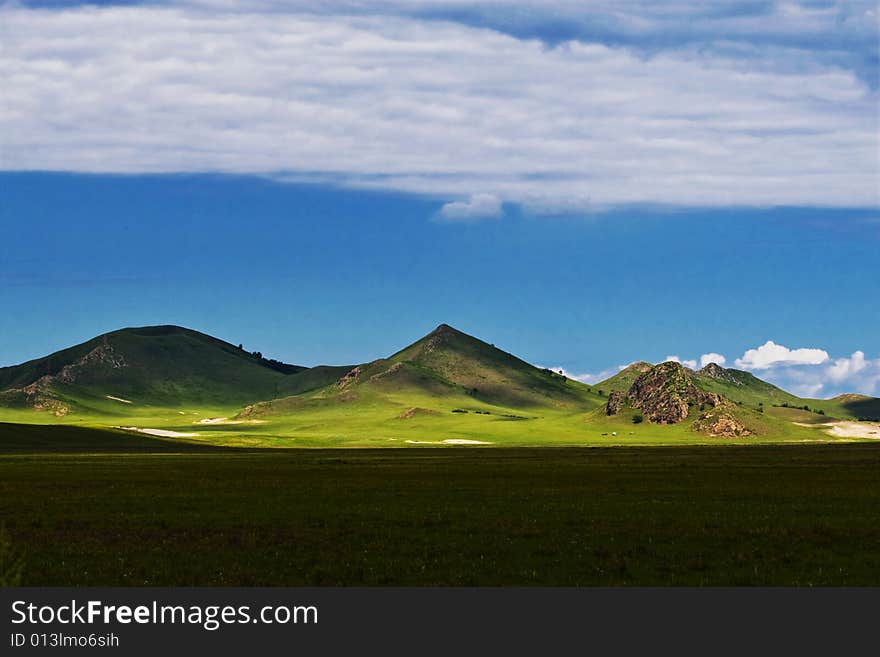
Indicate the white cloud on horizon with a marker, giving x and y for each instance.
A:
(811, 372)
(693, 363)
(854, 374)
(771, 354)
(434, 108)
(478, 206)
(712, 357)
(588, 378)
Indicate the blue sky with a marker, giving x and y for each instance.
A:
(583, 185)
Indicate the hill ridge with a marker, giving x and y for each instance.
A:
(168, 365)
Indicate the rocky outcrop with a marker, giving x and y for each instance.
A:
(386, 373)
(416, 411)
(103, 355)
(715, 371)
(664, 393)
(349, 377)
(36, 396)
(615, 403)
(721, 424)
(40, 396)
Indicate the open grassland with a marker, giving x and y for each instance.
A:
(415, 420)
(99, 508)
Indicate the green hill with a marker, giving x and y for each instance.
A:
(740, 386)
(622, 381)
(446, 386)
(859, 407)
(748, 390)
(311, 379)
(447, 362)
(158, 366)
(723, 402)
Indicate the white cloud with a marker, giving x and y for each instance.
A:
(811, 372)
(439, 108)
(588, 378)
(853, 374)
(771, 354)
(770, 21)
(692, 364)
(712, 357)
(704, 360)
(845, 368)
(478, 206)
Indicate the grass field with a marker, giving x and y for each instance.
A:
(415, 420)
(97, 508)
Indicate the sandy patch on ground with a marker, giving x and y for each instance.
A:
(223, 420)
(451, 441)
(855, 429)
(119, 399)
(163, 433)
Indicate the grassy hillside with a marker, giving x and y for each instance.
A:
(447, 362)
(446, 387)
(748, 390)
(741, 387)
(859, 407)
(311, 379)
(623, 380)
(153, 366)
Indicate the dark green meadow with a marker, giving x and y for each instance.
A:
(99, 511)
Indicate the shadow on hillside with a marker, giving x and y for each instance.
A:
(865, 409)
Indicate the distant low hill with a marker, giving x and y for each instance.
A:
(729, 402)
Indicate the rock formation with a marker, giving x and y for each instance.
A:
(664, 394)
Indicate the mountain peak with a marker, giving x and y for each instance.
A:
(447, 361)
(445, 329)
(669, 367)
(157, 331)
(715, 371)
